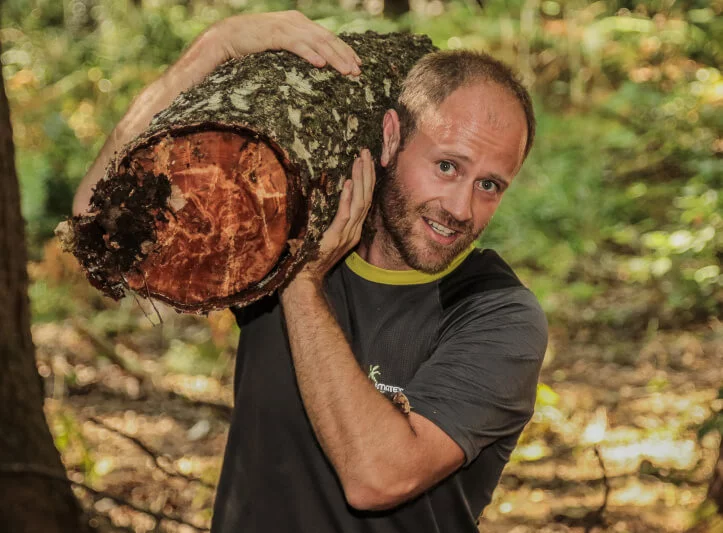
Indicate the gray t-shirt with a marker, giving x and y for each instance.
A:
(464, 346)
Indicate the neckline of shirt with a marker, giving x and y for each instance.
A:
(369, 272)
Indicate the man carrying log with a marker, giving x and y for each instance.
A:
(399, 307)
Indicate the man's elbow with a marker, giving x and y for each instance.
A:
(378, 494)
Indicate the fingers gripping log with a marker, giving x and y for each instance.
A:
(231, 187)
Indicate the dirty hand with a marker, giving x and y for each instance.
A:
(345, 230)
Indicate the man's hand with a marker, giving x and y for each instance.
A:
(285, 30)
(233, 37)
(241, 35)
(345, 230)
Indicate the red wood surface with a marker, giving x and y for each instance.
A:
(229, 221)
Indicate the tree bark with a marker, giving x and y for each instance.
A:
(715, 491)
(228, 192)
(30, 503)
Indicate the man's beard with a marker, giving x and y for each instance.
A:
(398, 217)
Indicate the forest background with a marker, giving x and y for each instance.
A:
(615, 224)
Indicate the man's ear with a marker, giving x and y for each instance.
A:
(391, 136)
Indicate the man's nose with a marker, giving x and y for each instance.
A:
(458, 203)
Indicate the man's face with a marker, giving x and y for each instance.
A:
(442, 189)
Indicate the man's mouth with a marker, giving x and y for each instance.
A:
(440, 229)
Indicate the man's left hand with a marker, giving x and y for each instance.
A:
(345, 230)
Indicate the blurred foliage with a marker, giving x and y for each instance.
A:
(621, 192)
(71, 441)
(714, 422)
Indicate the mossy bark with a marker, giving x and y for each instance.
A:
(313, 121)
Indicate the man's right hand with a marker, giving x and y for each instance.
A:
(232, 37)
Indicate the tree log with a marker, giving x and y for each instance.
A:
(229, 190)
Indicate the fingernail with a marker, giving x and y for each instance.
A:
(355, 70)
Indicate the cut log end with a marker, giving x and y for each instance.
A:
(214, 218)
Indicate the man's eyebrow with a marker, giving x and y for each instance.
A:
(456, 155)
(467, 159)
(503, 181)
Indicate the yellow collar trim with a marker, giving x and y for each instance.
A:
(399, 277)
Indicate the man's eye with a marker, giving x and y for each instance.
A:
(446, 167)
(488, 186)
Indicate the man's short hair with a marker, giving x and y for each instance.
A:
(439, 74)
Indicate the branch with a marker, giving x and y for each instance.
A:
(152, 454)
(109, 350)
(595, 518)
(591, 519)
(221, 409)
(49, 473)
(625, 120)
(601, 509)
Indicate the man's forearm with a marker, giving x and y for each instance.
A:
(368, 440)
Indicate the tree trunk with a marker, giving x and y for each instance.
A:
(30, 503)
(228, 192)
(396, 8)
(715, 491)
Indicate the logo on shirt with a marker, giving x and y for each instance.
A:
(374, 373)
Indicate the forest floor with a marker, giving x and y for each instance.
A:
(140, 412)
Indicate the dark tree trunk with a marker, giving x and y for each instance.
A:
(715, 491)
(396, 8)
(231, 187)
(30, 503)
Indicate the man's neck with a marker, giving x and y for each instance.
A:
(380, 251)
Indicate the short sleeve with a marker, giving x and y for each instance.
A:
(479, 383)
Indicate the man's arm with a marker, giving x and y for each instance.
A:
(232, 37)
(381, 456)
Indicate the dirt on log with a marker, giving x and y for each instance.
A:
(228, 191)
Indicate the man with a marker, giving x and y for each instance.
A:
(414, 311)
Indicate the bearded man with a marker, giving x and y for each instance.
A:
(410, 311)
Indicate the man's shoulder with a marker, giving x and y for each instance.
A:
(483, 300)
(481, 272)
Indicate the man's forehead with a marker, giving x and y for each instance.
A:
(473, 121)
(471, 106)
